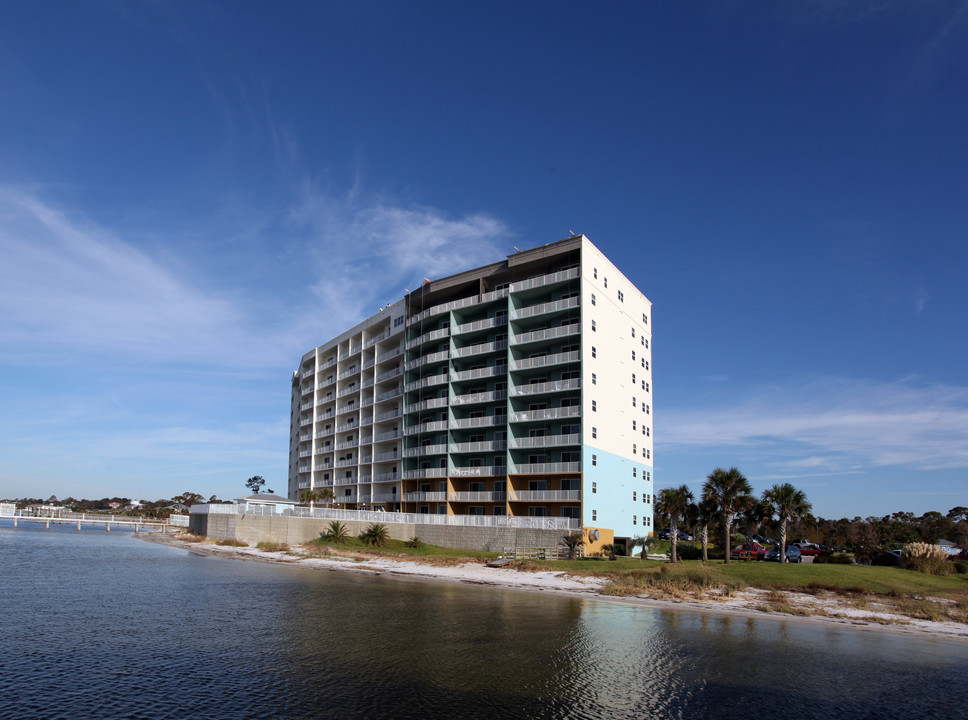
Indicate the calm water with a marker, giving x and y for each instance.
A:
(108, 626)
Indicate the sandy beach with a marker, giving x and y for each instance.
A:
(831, 610)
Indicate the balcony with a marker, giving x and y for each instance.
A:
(545, 361)
(305, 453)
(480, 349)
(436, 357)
(354, 350)
(386, 477)
(323, 466)
(389, 394)
(544, 308)
(304, 468)
(544, 495)
(390, 354)
(544, 280)
(305, 436)
(306, 406)
(386, 456)
(424, 473)
(498, 321)
(351, 462)
(389, 375)
(537, 468)
(426, 427)
(328, 363)
(427, 405)
(481, 397)
(476, 447)
(386, 498)
(374, 340)
(479, 470)
(388, 415)
(545, 387)
(423, 450)
(425, 497)
(347, 391)
(428, 337)
(348, 373)
(346, 426)
(445, 308)
(439, 379)
(492, 371)
(476, 422)
(327, 382)
(545, 441)
(308, 420)
(303, 485)
(391, 435)
(546, 334)
(306, 389)
(546, 414)
(347, 444)
(324, 433)
(306, 374)
(486, 496)
(345, 481)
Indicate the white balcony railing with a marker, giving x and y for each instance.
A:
(554, 467)
(545, 360)
(546, 334)
(546, 414)
(543, 280)
(546, 441)
(544, 495)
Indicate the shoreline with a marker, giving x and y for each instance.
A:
(746, 603)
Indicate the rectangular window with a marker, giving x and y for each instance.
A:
(646, 343)
(646, 386)
(648, 431)
(593, 298)
(594, 487)
(594, 432)
(594, 379)
(645, 363)
(633, 332)
(594, 461)
(605, 280)
(594, 515)
(595, 273)
(648, 476)
(621, 296)
(634, 425)
(648, 454)
(634, 498)
(635, 449)
(633, 402)
(594, 326)
(633, 378)
(594, 351)
(594, 406)
(647, 409)
(635, 472)
(398, 321)
(645, 320)
(500, 510)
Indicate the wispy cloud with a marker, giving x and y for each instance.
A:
(833, 424)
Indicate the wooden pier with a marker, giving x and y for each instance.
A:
(82, 519)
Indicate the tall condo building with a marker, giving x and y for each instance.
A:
(521, 389)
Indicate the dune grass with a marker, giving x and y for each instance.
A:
(399, 547)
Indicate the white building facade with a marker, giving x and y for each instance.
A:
(522, 388)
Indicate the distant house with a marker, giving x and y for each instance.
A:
(263, 501)
(949, 547)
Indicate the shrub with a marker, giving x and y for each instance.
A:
(925, 558)
(688, 552)
(376, 534)
(337, 533)
(231, 542)
(191, 537)
(266, 546)
(961, 567)
(835, 559)
(414, 542)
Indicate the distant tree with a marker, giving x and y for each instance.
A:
(730, 491)
(189, 499)
(573, 541)
(326, 495)
(643, 541)
(675, 504)
(956, 514)
(255, 483)
(785, 503)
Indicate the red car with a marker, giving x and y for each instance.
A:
(808, 549)
(748, 551)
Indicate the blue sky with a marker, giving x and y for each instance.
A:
(192, 195)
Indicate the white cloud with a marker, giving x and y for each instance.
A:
(833, 424)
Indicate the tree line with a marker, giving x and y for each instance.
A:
(727, 502)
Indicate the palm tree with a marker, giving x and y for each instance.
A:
(573, 541)
(730, 491)
(675, 503)
(376, 534)
(786, 503)
(326, 495)
(309, 496)
(706, 511)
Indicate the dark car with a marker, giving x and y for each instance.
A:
(666, 534)
(891, 558)
(793, 554)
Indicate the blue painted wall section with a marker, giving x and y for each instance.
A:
(608, 491)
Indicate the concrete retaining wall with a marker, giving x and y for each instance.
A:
(253, 529)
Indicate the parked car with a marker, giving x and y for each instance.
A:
(763, 540)
(890, 558)
(748, 551)
(667, 535)
(807, 548)
(793, 554)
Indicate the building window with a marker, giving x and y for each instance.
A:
(648, 476)
(594, 326)
(633, 378)
(594, 515)
(648, 454)
(634, 498)
(633, 402)
(593, 298)
(635, 449)
(594, 462)
(594, 432)
(648, 432)
(645, 319)
(398, 321)
(594, 487)
(594, 351)
(635, 472)
(650, 521)
(594, 406)
(633, 332)
(646, 386)
(595, 273)
(605, 280)
(594, 379)
(646, 343)
(645, 363)
(647, 409)
(621, 296)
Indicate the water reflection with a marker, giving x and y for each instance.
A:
(119, 628)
